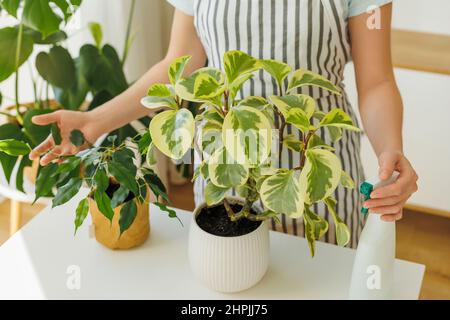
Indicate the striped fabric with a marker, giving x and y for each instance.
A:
(310, 34)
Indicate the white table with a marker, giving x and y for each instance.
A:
(38, 261)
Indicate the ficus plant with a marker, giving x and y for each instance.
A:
(97, 72)
(241, 140)
(115, 175)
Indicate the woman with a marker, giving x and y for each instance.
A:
(320, 35)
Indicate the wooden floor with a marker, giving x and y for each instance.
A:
(420, 238)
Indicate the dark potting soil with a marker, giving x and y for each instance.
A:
(215, 220)
(113, 187)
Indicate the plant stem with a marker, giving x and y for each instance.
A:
(303, 152)
(17, 62)
(127, 36)
(226, 101)
(281, 136)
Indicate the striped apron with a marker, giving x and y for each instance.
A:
(309, 34)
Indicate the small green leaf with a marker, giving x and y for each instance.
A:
(119, 196)
(347, 181)
(14, 147)
(45, 181)
(302, 78)
(77, 138)
(238, 63)
(101, 180)
(171, 213)
(299, 119)
(97, 33)
(156, 185)
(159, 90)
(127, 215)
(124, 175)
(144, 142)
(338, 118)
(292, 142)
(214, 194)
(278, 70)
(69, 164)
(225, 172)
(206, 87)
(56, 134)
(104, 205)
(342, 231)
(81, 213)
(176, 69)
(281, 193)
(294, 101)
(11, 6)
(67, 192)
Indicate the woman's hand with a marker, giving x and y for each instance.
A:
(389, 201)
(67, 121)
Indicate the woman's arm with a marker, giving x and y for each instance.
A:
(381, 110)
(126, 107)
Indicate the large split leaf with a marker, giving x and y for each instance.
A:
(38, 14)
(8, 46)
(173, 132)
(57, 67)
(281, 193)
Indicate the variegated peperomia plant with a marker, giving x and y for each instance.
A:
(240, 141)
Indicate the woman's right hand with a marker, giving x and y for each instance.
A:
(67, 121)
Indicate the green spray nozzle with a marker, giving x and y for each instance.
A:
(366, 189)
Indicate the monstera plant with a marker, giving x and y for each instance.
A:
(241, 141)
(98, 70)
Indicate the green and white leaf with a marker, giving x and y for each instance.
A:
(150, 157)
(238, 64)
(338, 118)
(299, 119)
(346, 180)
(173, 132)
(247, 135)
(237, 84)
(342, 231)
(321, 174)
(291, 142)
(277, 69)
(294, 101)
(176, 69)
(281, 193)
(185, 88)
(316, 142)
(301, 78)
(214, 194)
(207, 87)
(224, 171)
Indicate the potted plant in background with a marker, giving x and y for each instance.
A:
(240, 143)
(98, 70)
(119, 186)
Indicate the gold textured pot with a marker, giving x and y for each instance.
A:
(108, 234)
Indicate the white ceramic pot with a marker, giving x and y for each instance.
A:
(228, 264)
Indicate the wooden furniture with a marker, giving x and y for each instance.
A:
(420, 51)
(44, 260)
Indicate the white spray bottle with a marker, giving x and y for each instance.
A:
(373, 268)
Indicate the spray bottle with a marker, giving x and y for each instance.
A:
(373, 268)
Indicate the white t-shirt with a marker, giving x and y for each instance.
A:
(354, 7)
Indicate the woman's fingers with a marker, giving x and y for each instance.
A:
(392, 217)
(389, 210)
(50, 156)
(45, 119)
(44, 147)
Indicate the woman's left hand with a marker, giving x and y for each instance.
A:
(389, 201)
